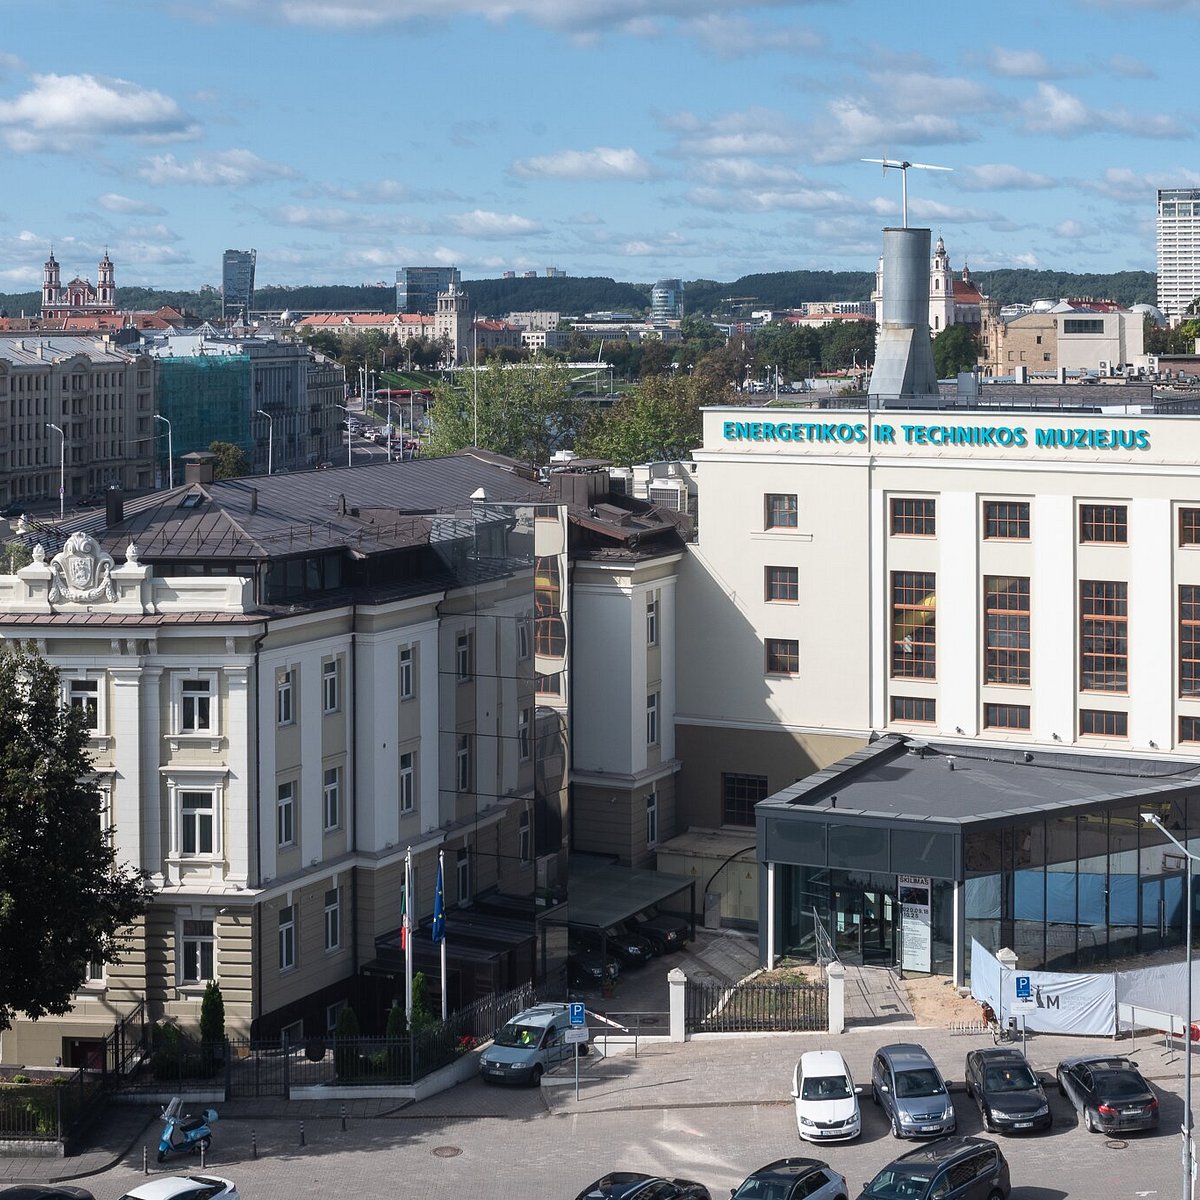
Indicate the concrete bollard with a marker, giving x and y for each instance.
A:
(343, 1118)
(145, 1160)
(203, 1150)
(677, 985)
(253, 1144)
(302, 1141)
(835, 974)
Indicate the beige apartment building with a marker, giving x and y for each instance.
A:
(1075, 339)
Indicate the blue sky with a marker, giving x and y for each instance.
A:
(631, 138)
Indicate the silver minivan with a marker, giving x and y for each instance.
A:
(528, 1046)
(912, 1092)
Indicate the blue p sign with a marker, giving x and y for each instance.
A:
(578, 1016)
(1024, 988)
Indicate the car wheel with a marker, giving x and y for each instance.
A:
(1062, 1091)
(896, 1130)
(996, 1195)
(1089, 1122)
(535, 1076)
(988, 1125)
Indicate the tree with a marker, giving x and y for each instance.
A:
(422, 1010)
(656, 358)
(655, 421)
(524, 411)
(65, 902)
(231, 460)
(212, 1014)
(345, 1043)
(955, 349)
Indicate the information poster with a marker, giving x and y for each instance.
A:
(915, 936)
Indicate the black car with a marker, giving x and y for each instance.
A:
(44, 1191)
(1109, 1093)
(590, 970)
(633, 1185)
(664, 931)
(1008, 1093)
(792, 1179)
(629, 949)
(952, 1168)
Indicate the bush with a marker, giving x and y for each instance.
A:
(422, 1013)
(166, 1053)
(345, 1048)
(212, 1028)
(397, 1043)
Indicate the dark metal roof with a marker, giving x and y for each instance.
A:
(603, 893)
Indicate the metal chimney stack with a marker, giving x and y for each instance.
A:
(903, 373)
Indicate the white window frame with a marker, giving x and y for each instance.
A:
(652, 619)
(331, 686)
(196, 821)
(287, 938)
(523, 639)
(462, 764)
(333, 919)
(285, 803)
(525, 735)
(91, 687)
(462, 872)
(406, 781)
(406, 673)
(192, 690)
(214, 708)
(285, 697)
(652, 730)
(525, 839)
(462, 656)
(331, 798)
(652, 819)
(192, 946)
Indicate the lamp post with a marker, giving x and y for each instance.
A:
(270, 437)
(1186, 1128)
(62, 468)
(349, 450)
(391, 428)
(170, 452)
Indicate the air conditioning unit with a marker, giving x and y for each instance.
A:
(667, 494)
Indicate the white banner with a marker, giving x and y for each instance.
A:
(915, 935)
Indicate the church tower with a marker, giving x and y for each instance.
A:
(452, 322)
(106, 287)
(941, 290)
(51, 284)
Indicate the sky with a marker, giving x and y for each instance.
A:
(637, 139)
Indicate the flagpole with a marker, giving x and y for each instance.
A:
(441, 864)
(408, 946)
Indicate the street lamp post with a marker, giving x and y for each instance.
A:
(270, 437)
(1186, 1128)
(170, 452)
(349, 449)
(391, 428)
(62, 468)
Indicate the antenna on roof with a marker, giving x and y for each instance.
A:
(902, 165)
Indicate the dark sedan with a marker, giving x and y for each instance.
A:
(44, 1191)
(1109, 1093)
(664, 931)
(629, 949)
(590, 970)
(793, 1179)
(632, 1185)
(1008, 1093)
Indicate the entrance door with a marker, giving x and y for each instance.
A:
(864, 922)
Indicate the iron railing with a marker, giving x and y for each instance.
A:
(755, 1007)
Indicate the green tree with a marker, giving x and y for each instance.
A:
(955, 349)
(422, 1011)
(655, 421)
(524, 411)
(231, 460)
(65, 902)
(345, 1044)
(656, 358)
(212, 1014)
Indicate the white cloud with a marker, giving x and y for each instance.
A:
(1131, 68)
(755, 131)
(853, 127)
(481, 224)
(601, 162)
(64, 112)
(116, 203)
(719, 199)
(745, 172)
(994, 177)
(1138, 187)
(730, 38)
(931, 210)
(1060, 113)
(342, 220)
(926, 92)
(225, 168)
(1023, 64)
(149, 233)
(1071, 229)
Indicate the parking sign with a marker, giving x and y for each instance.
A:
(1024, 989)
(578, 1016)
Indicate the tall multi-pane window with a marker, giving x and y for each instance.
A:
(1006, 520)
(198, 958)
(285, 815)
(195, 711)
(652, 719)
(84, 695)
(462, 656)
(405, 678)
(781, 511)
(1102, 523)
(284, 700)
(1189, 526)
(1189, 640)
(332, 797)
(652, 619)
(739, 795)
(783, 584)
(914, 625)
(1006, 629)
(524, 838)
(330, 690)
(287, 937)
(1103, 636)
(652, 819)
(523, 637)
(463, 763)
(524, 744)
(783, 656)
(463, 871)
(406, 781)
(333, 918)
(914, 516)
(197, 823)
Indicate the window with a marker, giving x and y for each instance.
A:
(1006, 520)
(333, 919)
(1102, 523)
(1083, 325)
(783, 656)
(197, 959)
(1006, 629)
(1189, 729)
(197, 823)
(1189, 640)
(463, 871)
(463, 773)
(462, 656)
(330, 698)
(84, 695)
(94, 974)
(284, 710)
(285, 815)
(523, 638)
(1189, 526)
(1006, 716)
(287, 937)
(739, 795)
(524, 721)
(783, 584)
(524, 839)
(332, 798)
(913, 517)
(652, 619)
(1103, 632)
(914, 709)
(332, 1012)
(405, 678)
(914, 625)
(195, 706)
(652, 719)
(782, 511)
(407, 781)
(652, 819)
(1099, 722)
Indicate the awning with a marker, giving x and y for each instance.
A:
(600, 893)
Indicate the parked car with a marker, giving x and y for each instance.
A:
(16, 509)
(585, 969)
(184, 1187)
(528, 1046)
(953, 1168)
(1007, 1091)
(911, 1090)
(44, 1191)
(629, 949)
(633, 1185)
(793, 1179)
(826, 1098)
(1109, 1093)
(665, 932)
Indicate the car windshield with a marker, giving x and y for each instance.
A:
(826, 1087)
(923, 1081)
(766, 1187)
(518, 1035)
(894, 1183)
(1118, 1085)
(1010, 1079)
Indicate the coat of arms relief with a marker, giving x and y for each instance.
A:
(81, 572)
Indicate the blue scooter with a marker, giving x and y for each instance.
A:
(182, 1133)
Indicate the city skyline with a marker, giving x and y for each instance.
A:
(346, 140)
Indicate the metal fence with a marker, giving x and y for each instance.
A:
(755, 1007)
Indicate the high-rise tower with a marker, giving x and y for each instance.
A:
(237, 283)
(1178, 250)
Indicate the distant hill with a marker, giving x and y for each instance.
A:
(576, 296)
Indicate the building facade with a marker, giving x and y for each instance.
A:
(666, 301)
(1078, 339)
(1178, 241)
(417, 288)
(237, 284)
(79, 297)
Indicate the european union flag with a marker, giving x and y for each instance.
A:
(439, 908)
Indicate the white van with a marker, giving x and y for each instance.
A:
(528, 1046)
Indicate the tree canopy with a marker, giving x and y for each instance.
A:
(955, 349)
(64, 900)
(231, 461)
